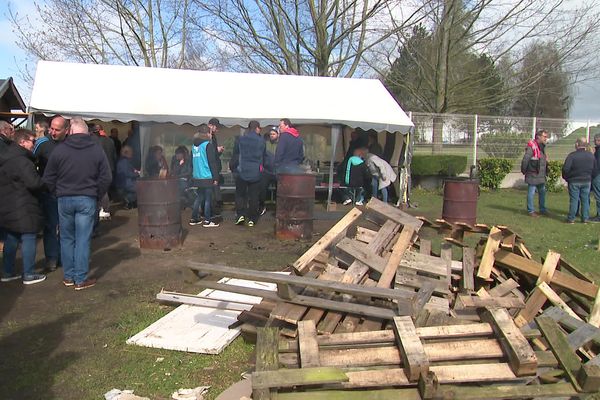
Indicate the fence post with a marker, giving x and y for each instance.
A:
(475, 123)
(587, 131)
(533, 128)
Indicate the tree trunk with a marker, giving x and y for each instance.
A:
(441, 81)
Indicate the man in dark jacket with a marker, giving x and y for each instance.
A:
(250, 153)
(108, 146)
(204, 176)
(125, 177)
(79, 174)
(577, 170)
(534, 167)
(290, 148)
(20, 211)
(217, 201)
(6, 134)
(596, 179)
(42, 150)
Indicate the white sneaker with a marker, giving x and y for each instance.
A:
(104, 214)
(346, 202)
(359, 203)
(210, 224)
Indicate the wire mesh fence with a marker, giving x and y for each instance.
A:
(480, 136)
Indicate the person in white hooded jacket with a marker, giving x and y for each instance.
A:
(383, 175)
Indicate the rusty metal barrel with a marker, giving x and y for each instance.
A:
(159, 213)
(295, 206)
(460, 200)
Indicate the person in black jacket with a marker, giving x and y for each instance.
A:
(181, 168)
(79, 174)
(356, 177)
(217, 200)
(577, 170)
(20, 212)
(108, 146)
(6, 134)
(251, 150)
(59, 126)
(125, 178)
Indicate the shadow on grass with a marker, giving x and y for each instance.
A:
(105, 259)
(553, 213)
(30, 360)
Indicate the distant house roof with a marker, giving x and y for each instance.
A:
(128, 93)
(10, 99)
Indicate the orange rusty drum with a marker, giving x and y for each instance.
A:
(295, 206)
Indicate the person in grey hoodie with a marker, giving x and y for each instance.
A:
(79, 174)
(577, 170)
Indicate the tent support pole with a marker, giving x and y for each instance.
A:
(336, 130)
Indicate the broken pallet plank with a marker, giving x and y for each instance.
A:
(267, 357)
(521, 356)
(307, 342)
(413, 354)
(389, 212)
(491, 247)
(332, 236)
(468, 259)
(283, 378)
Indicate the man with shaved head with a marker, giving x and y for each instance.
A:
(42, 150)
(79, 174)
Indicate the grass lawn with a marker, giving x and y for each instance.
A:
(57, 344)
(576, 243)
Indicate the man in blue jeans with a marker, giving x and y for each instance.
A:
(205, 176)
(596, 178)
(79, 174)
(20, 213)
(577, 170)
(534, 167)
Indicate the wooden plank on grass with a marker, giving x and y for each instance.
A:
(594, 318)
(349, 250)
(560, 347)
(307, 342)
(533, 268)
(387, 211)
(267, 357)
(468, 263)
(487, 260)
(468, 301)
(333, 235)
(549, 267)
(358, 309)
(297, 377)
(425, 246)
(556, 300)
(273, 277)
(521, 356)
(412, 352)
(402, 244)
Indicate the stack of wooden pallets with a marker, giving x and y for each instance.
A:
(369, 312)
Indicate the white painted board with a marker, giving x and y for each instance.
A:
(198, 329)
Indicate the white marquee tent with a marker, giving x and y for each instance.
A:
(156, 95)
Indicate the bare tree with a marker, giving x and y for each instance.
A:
(151, 33)
(304, 37)
(500, 31)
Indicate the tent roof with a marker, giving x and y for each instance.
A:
(10, 99)
(114, 92)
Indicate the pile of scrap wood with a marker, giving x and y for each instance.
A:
(370, 312)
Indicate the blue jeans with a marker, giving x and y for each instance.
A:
(541, 189)
(76, 215)
(203, 197)
(375, 186)
(51, 236)
(11, 243)
(579, 192)
(596, 189)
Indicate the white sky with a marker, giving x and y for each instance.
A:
(585, 106)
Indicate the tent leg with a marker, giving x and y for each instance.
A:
(335, 134)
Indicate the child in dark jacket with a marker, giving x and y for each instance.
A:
(356, 177)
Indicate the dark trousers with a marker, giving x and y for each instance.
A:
(51, 235)
(246, 198)
(265, 181)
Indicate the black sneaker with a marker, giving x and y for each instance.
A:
(240, 220)
(195, 221)
(34, 278)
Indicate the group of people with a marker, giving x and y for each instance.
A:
(364, 170)
(581, 171)
(52, 181)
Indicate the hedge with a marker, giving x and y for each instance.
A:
(554, 174)
(492, 171)
(446, 165)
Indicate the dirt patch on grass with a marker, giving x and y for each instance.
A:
(56, 343)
